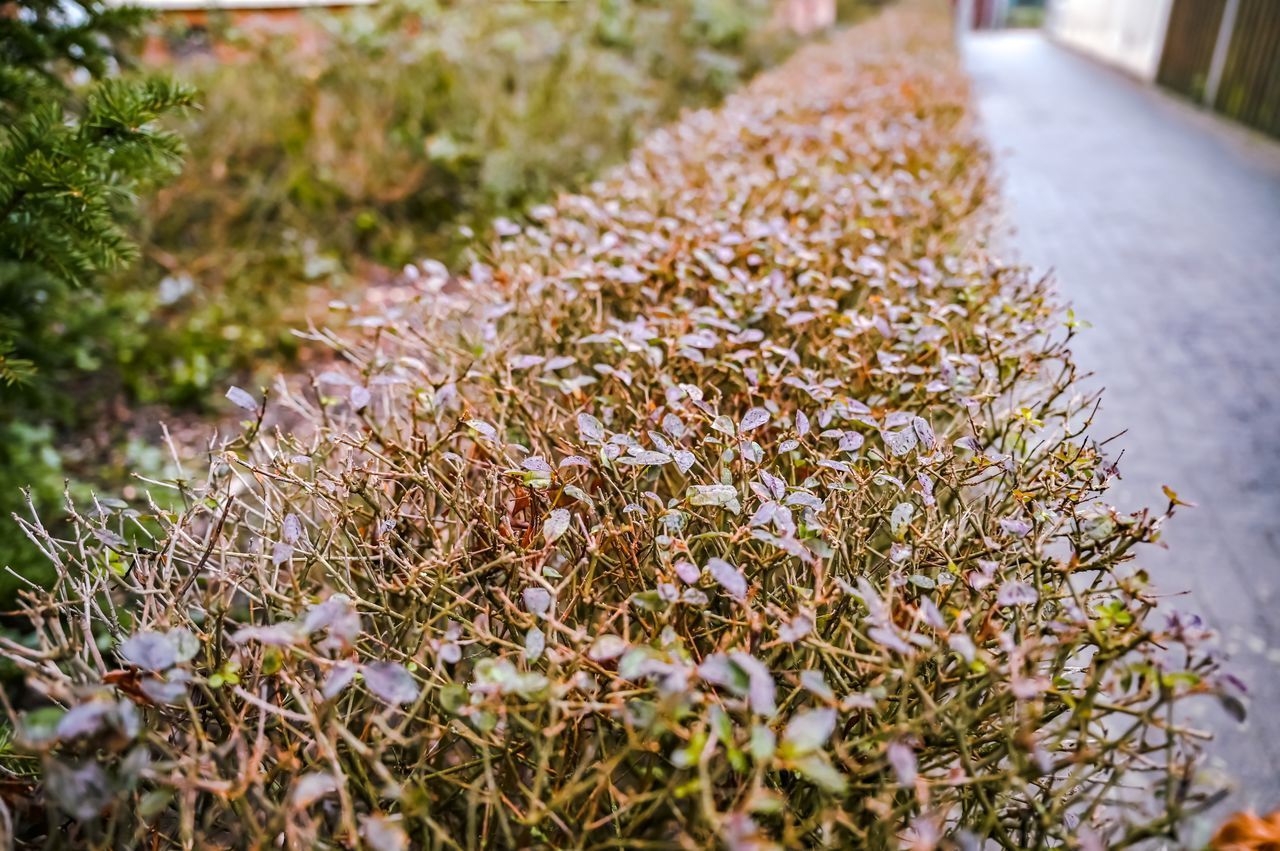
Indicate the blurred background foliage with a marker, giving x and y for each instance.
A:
(411, 128)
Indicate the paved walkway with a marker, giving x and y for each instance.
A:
(1161, 224)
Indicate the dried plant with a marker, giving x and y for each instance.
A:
(741, 500)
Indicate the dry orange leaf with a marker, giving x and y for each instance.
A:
(1246, 831)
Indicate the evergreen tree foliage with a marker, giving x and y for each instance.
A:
(78, 141)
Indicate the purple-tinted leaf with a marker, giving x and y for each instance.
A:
(277, 635)
(646, 458)
(339, 678)
(556, 524)
(482, 428)
(590, 428)
(797, 628)
(806, 499)
(607, 647)
(185, 644)
(167, 690)
(241, 399)
(717, 669)
(877, 609)
(380, 833)
(728, 577)
(924, 432)
(753, 419)
(777, 487)
(816, 682)
(153, 651)
(765, 513)
(109, 538)
(926, 489)
(337, 615)
(311, 787)
(291, 528)
(760, 685)
(81, 791)
(85, 719)
(1015, 526)
(851, 441)
(534, 643)
(537, 600)
(899, 443)
(809, 730)
(525, 361)
(931, 615)
(963, 645)
(902, 759)
(888, 637)
(1015, 593)
(391, 682)
(688, 572)
(536, 463)
(560, 362)
(694, 597)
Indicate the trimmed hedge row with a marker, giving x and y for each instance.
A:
(743, 500)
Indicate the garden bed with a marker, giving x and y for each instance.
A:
(741, 499)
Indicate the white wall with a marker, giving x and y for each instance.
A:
(1126, 33)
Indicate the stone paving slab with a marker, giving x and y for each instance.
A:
(1161, 223)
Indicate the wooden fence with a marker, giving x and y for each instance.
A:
(1188, 46)
(1226, 53)
(1250, 87)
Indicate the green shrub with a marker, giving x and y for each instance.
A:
(742, 500)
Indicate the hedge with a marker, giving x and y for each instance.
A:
(744, 500)
(310, 174)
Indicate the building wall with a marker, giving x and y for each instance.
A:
(1126, 33)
